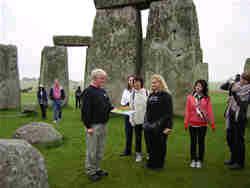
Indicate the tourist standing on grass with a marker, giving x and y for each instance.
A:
(198, 113)
(42, 100)
(158, 122)
(137, 102)
(237, 114)
(57, 95)
(77, 97)
(95, 111)
(228, 87)
(128, 127)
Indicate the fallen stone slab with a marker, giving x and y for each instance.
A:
(38, 133)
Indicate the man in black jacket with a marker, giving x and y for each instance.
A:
(95, 111)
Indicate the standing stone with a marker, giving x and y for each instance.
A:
(9, 77)
(54, 65)
(247, 65)
(172, 47)
(21, 165)
(113, 48)
(247, 69)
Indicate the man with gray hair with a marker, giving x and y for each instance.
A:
(95, 111)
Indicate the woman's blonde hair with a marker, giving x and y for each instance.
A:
(163, 85)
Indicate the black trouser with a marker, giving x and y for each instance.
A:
(138, 138)
(147, 141)
(238, 143)
(197, 135)
(129, 135)
(229, 135)
(43, 110)
(157, 148)
(78, 102)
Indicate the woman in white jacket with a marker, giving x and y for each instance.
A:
(137, 102)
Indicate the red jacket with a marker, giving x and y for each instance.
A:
(192, 117)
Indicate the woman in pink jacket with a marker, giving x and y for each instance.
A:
(197, 115)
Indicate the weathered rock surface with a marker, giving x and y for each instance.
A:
(9, 77)
(172, 47)
(113, 48)
(54, 65)
(38, 133)
(21, 165)
(201, 71)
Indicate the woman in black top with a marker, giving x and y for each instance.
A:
(42, 100)
(159, 113)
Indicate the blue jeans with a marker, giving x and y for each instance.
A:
(129, 135)
(57, 108)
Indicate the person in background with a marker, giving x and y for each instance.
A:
(228, 87)
(128, 127)
(137, 102)
(197, 114)
(95, 111)
(57, 95)
(237, 114)
(77, 97)
(42, 100)
(159, 114)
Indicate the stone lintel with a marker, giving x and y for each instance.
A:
(140, 4)
(66, 40)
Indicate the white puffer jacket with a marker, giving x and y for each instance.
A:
(138, 100)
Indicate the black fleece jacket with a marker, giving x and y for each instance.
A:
(160, 108)
(95, 107)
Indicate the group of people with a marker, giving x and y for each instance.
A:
(57, 95)
(153, 116)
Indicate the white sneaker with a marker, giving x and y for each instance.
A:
(54, 121)
(198, 164)
(193, 164)
(138, 157)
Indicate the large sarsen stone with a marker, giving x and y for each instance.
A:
(172, 48)
(113, 48)
(21, 165)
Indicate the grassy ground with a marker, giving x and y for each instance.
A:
(65, 163)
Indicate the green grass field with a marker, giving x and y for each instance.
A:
(65, 163)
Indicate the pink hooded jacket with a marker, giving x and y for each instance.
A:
(191, 115)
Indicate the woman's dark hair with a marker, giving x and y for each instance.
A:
(128, 86)
(204, 87)
(237, 77)
(41, 88)
(137, 78)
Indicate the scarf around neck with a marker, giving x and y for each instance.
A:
(243, 94)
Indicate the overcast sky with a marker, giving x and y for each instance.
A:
(31, 24)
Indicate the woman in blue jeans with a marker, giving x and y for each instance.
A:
(128, 127)
(57, 94)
